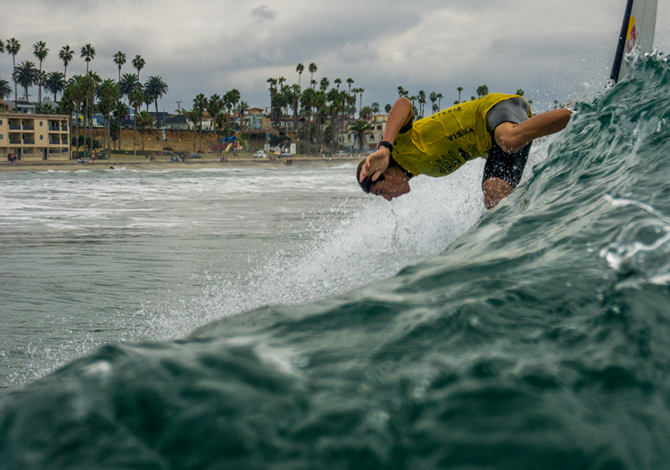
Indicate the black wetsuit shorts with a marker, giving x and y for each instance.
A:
(499, 164)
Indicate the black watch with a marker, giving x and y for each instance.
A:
(386, 144)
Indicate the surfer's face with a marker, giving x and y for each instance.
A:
(394, 184)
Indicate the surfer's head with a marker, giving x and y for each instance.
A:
(392, 183)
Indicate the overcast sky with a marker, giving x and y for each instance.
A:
(553, 49)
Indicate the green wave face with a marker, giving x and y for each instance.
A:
(540, 339)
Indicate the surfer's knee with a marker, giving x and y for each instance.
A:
(495, 190)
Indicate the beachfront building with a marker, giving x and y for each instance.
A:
(34, 137)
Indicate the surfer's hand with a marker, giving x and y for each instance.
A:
(376, 164)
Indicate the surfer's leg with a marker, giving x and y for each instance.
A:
(502, 173)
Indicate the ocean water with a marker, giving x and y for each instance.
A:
(261, 320)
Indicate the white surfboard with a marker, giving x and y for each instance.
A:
(637, 31)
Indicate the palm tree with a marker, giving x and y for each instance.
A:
(422, 101)
(40, 50)
(214, 107)
(439, 100)
(120, 60)
(402, 92)
(360, 104)
(359, 129)
(337, 82)
(88, 54)
(47, 109)
(5, 89)
(231, 99)
(374, 108)
(2, 47)
(108, 96)
(128, 84)
(139, 63)
(13, 47)
(482, 90)
(433, 99)
(120, 114)
(145, 121)
(26, 74)
(135, 99)
(460, 89)
(195, 116)
(55, 83)
(66, 54)
(88, 85)
(387, 108)
(520, 92)
(156, 88)
(312, 70)
(199, 105)
(350, 81)
(300, 69)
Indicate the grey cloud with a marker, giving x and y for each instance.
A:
(263, 12)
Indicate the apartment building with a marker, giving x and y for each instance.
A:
(34, 137)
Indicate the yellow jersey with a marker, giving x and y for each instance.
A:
(441, 143)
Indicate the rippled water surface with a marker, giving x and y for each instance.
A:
(292, 322)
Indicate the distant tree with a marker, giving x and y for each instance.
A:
(520, 92)
(387, 108)
(300, 69)
(199, 104)
(135, 99)
(5, 89)
(108, 96)
(350, 81)
(402, 92)
(119, 60)
(144, 121)
(472, 98)
(13, 47)
(40, 50)
(312, 70)
(156, 88)
(439, 100)
(375, 107)
(460, 89)
(47, 109)
(422, 102)
(195, 116)
(214, 106)
(139, 63)
(337, 82)
(25, 74)
(129, 83)
(88, 54)
(359, 130)
(482, 90)
(433, 99)
(436, 108)
(2, 47)
(366, 113)
(66, 54)
(324, 84)
(55, 83)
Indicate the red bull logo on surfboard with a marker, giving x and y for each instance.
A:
(632, 37)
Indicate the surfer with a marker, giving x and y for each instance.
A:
(498, 127)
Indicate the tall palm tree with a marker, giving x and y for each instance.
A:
(312, 70)
(120, 60)
(74, 93)
(231, 99)
(40, 50)
(199, 106)
(88, 54)
(300, 69)
(55, 83)
(120, 114)
(195, 116)
(2, 47)
(422, 101)
(5, 89)
(66, 54)
(214, 107)
(13, 47)
(128, 84)
(350, 81)
(156, 88)
(359, 130)
(87, 85)
(108, 97)
(145, 121)
(139, 63)
(433, 99)
(439, 100)
(459, 89)
(26, 74)
(135, 99)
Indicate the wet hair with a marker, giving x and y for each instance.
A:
(367, 182)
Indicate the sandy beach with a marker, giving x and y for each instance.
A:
(164, 163)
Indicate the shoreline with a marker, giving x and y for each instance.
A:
(207, 162)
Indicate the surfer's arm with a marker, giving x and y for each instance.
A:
(400, 115)
(513, 137)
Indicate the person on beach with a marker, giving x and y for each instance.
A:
(498, 127)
